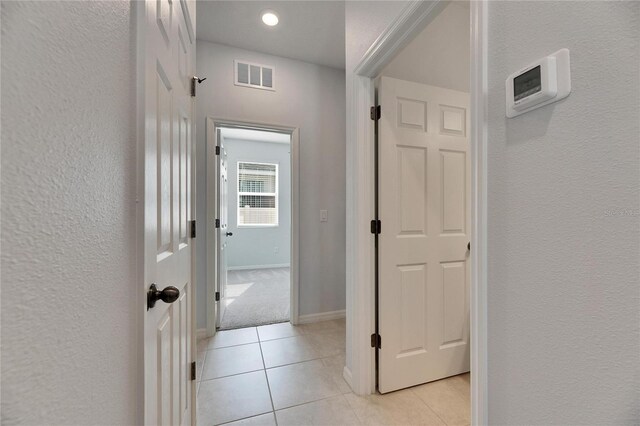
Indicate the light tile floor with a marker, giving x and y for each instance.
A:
(284, 375)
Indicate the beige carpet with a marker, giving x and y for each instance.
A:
(256, 297)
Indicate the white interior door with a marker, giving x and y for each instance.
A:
(424, 201)
(222, 225)
(168, 42)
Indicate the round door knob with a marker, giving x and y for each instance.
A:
(168, 294)
(229, 234)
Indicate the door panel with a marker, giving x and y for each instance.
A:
(423, 268)
(168, 159)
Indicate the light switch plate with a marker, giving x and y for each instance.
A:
(324, 216)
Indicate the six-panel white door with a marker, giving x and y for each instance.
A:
(424, 197)
(167, 29)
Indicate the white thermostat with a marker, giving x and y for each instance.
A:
(545, 81)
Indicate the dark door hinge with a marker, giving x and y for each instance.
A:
(217, 150)
(217, 296)
(217, 223)
(376, 112)
(376, 341)
(195, 80)
(193, 228)
(376, 227)
(193, 370)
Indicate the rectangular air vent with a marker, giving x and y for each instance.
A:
(254, 75)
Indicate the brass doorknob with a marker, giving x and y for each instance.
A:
(168, 294)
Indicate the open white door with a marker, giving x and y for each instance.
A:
(168, 46)
(222, 226)
(424, 200)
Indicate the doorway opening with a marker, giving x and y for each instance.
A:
(256, 229)
(251, 198)
(423, 298)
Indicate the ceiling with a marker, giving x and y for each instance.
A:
(311, 31)
(254, 135)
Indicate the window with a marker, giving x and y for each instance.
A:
(257, 194)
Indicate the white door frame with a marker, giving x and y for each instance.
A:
(360, 197)
(212, 125)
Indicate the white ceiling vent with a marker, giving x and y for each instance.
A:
(254, 75)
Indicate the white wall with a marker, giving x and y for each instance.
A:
(259, 246)
(69, 343)
(310, 97)
(564, 274)
(439, 54)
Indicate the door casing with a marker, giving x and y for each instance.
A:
(212, 125)
(360, 198)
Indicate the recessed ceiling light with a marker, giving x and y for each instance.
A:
(270, 18)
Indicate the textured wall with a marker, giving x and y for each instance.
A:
(68, 214)
(439, 55)
(310, 97)
(256, 246)
(564, 220)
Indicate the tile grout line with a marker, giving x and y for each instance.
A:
(230, 375)
(264, 369)
(428, 406)
(245, 418)
(301, 362)
(316, 400)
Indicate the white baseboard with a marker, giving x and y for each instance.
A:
(346, 374)
(323, 316)
(244, 268)
(201, 333)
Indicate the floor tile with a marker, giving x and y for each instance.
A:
(232, 360)
(288, 350)
(335, 368)
(447, 399)
(233, 398)
(262, 420)
(300, 383)
(277, 331)
(462, 383)
(395, 408)
(331, 411)
(227, 338)
(329, 343)
(201, 344)
(200, 364)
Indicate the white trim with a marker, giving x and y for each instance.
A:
(412, 19)
(322, 316)
(479, 142)
(346, 375)
(360, 241)
(201, 333)
(212, 125)
(246, 268)
(360, 198)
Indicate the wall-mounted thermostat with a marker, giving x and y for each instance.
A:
(545, 81)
